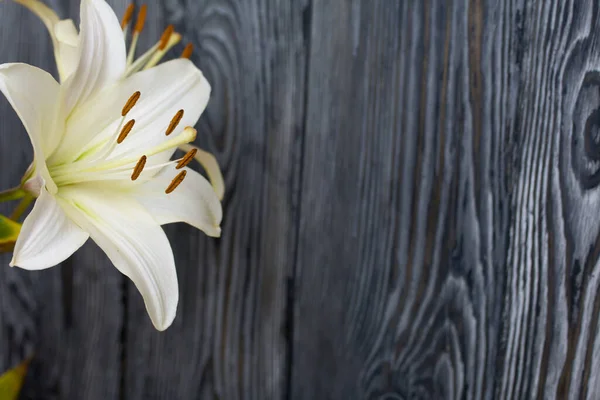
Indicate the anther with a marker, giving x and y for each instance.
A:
(127, 16)
(141, 19)
(125, 131)
(164, 39)
(187, 52)
(130, 103)
(139, 167)
(189, 156)
(174, 122)
(176, 182)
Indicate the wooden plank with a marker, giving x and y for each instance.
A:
(448, 246)
(552, 341)
(68, 317)
(227, 340)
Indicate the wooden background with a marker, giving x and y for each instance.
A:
(412, 211)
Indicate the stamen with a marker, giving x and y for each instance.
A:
(188, 135)
(133, 67)
(139, 167)
(130, 103)
(141, 19)
(187, 158)
(156, 57)
(125, 131)
(176, 182)
(187, 52)
(174, 122)
(164, 39)
(139, 27)
(127, 16)
(210, 165)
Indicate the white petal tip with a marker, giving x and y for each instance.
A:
(163, 325)
(215, 232)
(161, 328)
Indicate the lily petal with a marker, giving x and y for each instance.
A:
(194, 201)
(47, 237)
(102, 58)
(165, 89)
(64, 39)
(210, 165)
(134, 242)
(67, 39)
(33, 93)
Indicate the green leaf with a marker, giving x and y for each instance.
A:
(9, 231)
(12, 381)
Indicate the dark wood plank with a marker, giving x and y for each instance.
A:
(228, 338)
(448, 244)
(445, 177)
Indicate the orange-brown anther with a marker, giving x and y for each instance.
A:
(174, 122)
(141, 19)
(125, 131)
(164, 39)
(139, 167)
(130, 103)
(176, 182)
(127, 16)
(187, 52)
(189, 156)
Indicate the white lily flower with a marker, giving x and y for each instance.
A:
(65, 39)
(103, 140)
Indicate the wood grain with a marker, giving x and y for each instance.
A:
(451, 173)
(227, 341)
(412, 190)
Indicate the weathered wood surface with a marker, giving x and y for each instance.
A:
(411, 211)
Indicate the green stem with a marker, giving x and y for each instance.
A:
(22, 207)
(12, 194)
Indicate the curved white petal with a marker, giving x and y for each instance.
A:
(34, 95)
(63, 41)
(134, 242)
(101, 59)
(194, 201)
(67, 39)
(165, 89)
(47, 237)
(66, 32)
(211, 166)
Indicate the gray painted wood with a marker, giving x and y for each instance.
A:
(410, 211)
(448, 242)
(227, 340)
